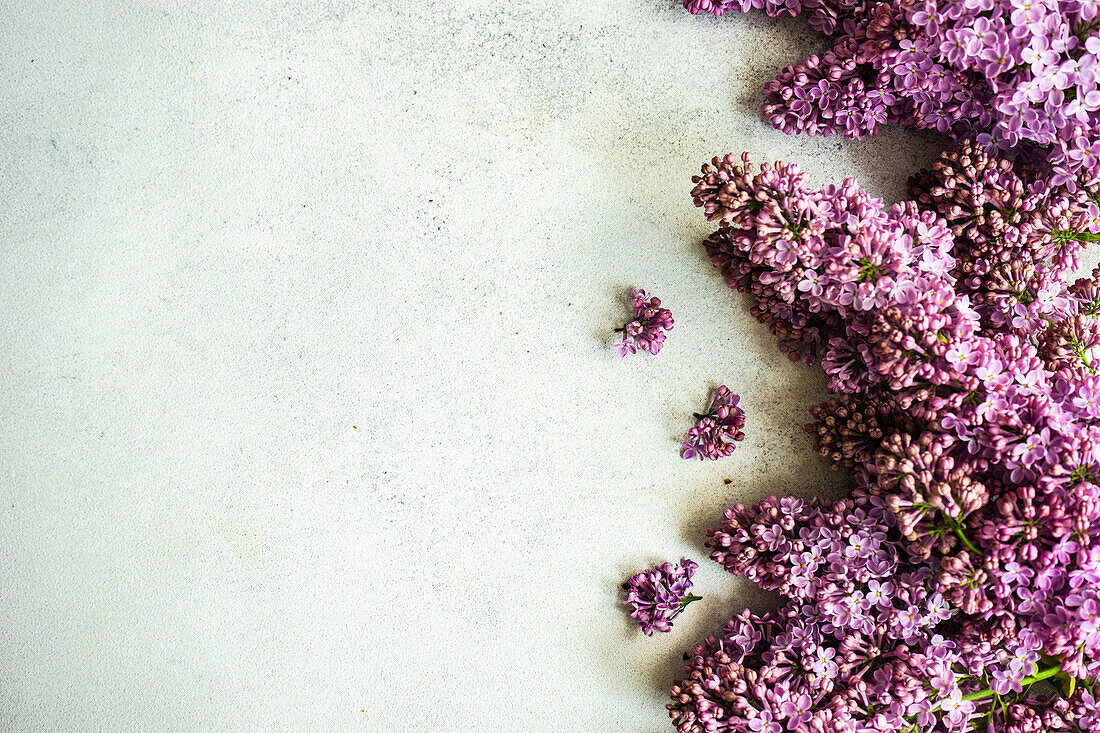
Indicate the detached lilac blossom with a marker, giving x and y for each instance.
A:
(659, 594)
(717, 432)
(646, 331)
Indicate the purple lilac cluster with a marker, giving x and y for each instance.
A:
(861, 644)
(658, 595)
(961, 585)
(646, 332)
(718, 431)
(1020, 75)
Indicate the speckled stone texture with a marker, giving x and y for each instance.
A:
(306, 417)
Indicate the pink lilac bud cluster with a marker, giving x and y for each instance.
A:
(1016, 236)
(717, 432)
(1020, 75)
(961, 585)
(646, 332)
(658, 595)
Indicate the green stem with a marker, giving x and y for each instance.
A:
(1066, 234)
(1026, 682)
(1044, 675)
(689, 599)
(966, 540)
(956, 527)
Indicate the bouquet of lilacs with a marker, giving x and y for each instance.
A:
(959, 588)
(1017, 75)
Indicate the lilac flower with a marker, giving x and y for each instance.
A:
(965, 566)
(944, 682)
(1015, 574)
(658, 595)
(717, 431)
(1051, 300)
(811, 283)
(646, 332)
(962, 355)
(957, 709)
(1033, 449)
(1025, 319)
(937, 610)
(879, 593)
(1063, 551)
(910, 659)
(773, 536)
(797, 711)
(987, 409)
(823, 664)
(1019, 75)
(763, 723)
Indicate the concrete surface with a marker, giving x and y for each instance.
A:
(306, 416)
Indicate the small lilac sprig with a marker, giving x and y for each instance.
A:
(717, 432)
(660, 594)
(646, 332)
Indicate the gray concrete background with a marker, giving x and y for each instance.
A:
(306, 416)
